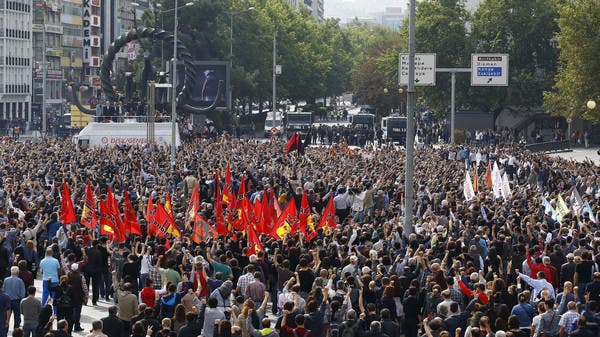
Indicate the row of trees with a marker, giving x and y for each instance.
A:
(551, 44)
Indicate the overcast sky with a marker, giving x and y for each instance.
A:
(349, 9)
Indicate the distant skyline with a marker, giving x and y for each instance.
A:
(347, 10)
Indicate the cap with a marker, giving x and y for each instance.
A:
(570, 256)
(74, 267)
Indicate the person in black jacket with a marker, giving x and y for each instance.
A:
(388, 326)
(93, 271)
(193, 328)
(64, 300)
(112, 326)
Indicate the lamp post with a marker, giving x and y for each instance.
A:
(162, 16)
(134, 6)
(231, 15)
(174, 91)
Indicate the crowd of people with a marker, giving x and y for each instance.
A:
(488, 267)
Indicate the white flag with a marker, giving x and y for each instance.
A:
(496, 181)
(468, 187)
(506, 192)
(576, 202)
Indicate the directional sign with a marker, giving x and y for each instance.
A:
(424, 69)
(489, 70)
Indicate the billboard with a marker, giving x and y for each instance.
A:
(208, 76)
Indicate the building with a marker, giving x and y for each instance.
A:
(15, 60)
(47, 52)
(316, 7)
(471, 5)
(391, 17)
(72, 43)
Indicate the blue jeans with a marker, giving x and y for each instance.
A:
(46, 292)
(29, 329)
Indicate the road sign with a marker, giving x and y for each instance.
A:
(424, 69)
(489, 70)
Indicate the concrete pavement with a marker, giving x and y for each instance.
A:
(580, 155)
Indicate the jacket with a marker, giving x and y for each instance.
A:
(193, 329)
(112, 326)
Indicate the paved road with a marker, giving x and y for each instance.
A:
(88, 313)
(580, 155)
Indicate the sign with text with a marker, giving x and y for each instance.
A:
(489, 70)
(87, 31)
(424, 69)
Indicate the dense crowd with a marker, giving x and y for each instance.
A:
(487, 267)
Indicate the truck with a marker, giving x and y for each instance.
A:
(394, 129)
(128, 133)
(300, 121)
(362, 119)
(273, 126)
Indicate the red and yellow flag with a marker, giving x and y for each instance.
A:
(89, 218)
(131, 222)
(286, 221)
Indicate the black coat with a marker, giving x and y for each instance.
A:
(193, 329)
(112, 326)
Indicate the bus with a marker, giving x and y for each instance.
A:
(394, 129)
(362, 119)
(300, 121)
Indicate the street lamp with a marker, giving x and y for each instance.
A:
(134, 5)
(591, 104)
(174, 90)
(231, 15)
(162, 15)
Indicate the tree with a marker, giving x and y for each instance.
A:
(524, 29)
(578, 77)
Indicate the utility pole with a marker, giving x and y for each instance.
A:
(410, 123)
(274, 107)
(44, 65)
(174, 98)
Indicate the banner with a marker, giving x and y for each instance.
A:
(468, 187)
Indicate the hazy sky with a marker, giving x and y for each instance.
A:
(349, 9)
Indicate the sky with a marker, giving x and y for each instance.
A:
(349, 9)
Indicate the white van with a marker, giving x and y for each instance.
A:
(273, 126)
(129, 133)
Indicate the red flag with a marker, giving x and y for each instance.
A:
(201, 229)
(173, 229)
(294, 144)
(267, 213)
(67, 213)
(285, 222)
(163, 221)
(219, 215)
(258, 221)
(276, 207)
(89, 218)
(328, 219)
(254, 244)
(304, 213)
(114, 210)
(150, 217)
(131, 222)
(193, 207)
(228, 196)
(107, 225)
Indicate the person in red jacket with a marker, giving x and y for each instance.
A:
(299, 331)
(149, 295)
(545, 267)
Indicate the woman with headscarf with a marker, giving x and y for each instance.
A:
(46, 319)
(28, 253)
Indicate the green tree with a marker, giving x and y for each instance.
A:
(578, 77)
